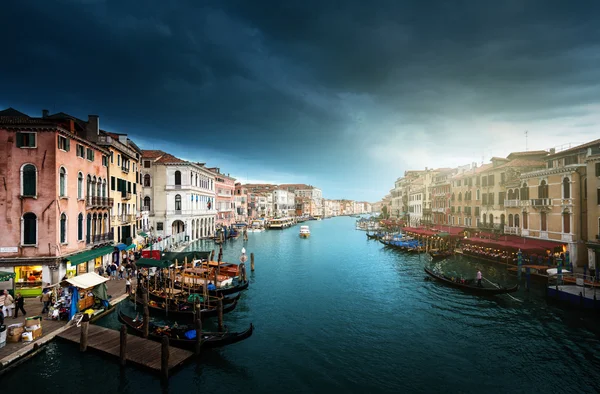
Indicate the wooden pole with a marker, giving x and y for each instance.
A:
(212, 255)
(252, 261)
(164, 358)
(198, 336)
(85, 325)
(146, 322)
(123, 345)
(220, 313)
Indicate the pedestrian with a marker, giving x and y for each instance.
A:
(121, 271)
(45, 299)
(101, 270)
(9, 304)
(479, 276)
(20, 305)
(113, 271)
(128, 286)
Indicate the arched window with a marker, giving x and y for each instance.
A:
(178, 177)
(524, 192)
(517, 197)
(516, 220)
(460, 196)
(104, 188)
(477, 196)
(99, 188)
(543, 189)
(178, 202)
(191, 178)
(502, 220)
(196, 180)
(62, 182)
(491, 219)
(452, 197)
(566, 222)
(566, 188)
(510, 220)
(147, 180)
(28, 180)
(544, 224)
(80, 186)
(63, 228)
(89, 187)
(525, 220)
(147, 203)
(94, 186)
(80, 227)
(88, 229)
(29, 229)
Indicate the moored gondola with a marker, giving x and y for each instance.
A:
(470, 286)
(182, 296)
(178, 338)
(188, 314)
(439, 254)
(222, 291)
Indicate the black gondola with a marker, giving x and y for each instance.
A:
(178, 339)
(217, 293)
(470, 286)
(187, 315)
(212, 299)
(439, 254)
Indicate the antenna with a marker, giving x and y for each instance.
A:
(526, 132)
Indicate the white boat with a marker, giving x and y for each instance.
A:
(257, 226)
(304, 232)
(281, 223)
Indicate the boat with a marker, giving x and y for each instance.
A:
(436, 254)
(198, 288)
(182, 296)
(470, 286)
(281, 223)
(257, 226)
(304, 232)
(178, 336)
(187, 314)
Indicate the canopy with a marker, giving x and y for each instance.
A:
(5, 276)
(125, 247)
(153, 263)
(143, 234)
(88, 255)
(86, 281)
(180, 256)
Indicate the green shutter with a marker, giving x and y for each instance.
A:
(112, 183)
(29, 180)
(32, 140)
(19, 140)
(68, 146)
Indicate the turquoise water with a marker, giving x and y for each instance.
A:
(339, 313)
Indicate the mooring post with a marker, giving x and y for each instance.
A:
(146, 321)
(220, 313)
(212, 255)
(123, 347)
(527, 277)
(85, 325)
(252, 261)
(164, 358)
(198, 336)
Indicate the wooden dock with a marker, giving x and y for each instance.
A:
(141, 352)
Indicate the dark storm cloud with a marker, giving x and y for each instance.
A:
(321, 77)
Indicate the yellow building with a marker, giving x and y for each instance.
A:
(125, 186)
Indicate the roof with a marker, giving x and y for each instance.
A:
(86, 281)
(152, 154)
(574, 149)
(523, 163)
(169, 158)
(514, 155)
(12, 112)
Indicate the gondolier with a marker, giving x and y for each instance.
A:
(479, 278)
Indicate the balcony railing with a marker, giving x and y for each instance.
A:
(192, 212)
(512, 230)
(540, 202)
(567, 237)
(125, 170)
(126, 196)
(127, 218)
(512, 203)
(99, 238)
(566, 202)
(98, 202)
(495, 226)
(544, 234)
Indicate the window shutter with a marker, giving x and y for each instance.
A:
(68, 145)
(134, 188)
(32, 140)
(112, 183)
(19, 140)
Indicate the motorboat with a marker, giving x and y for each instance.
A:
(304, 232)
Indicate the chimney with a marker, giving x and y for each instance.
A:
(92, 128)
(45, 113)
(552, 151)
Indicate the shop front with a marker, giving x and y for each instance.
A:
(7, 279)
(86, 261)
(28, 280)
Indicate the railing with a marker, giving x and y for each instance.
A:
(587, 285)
(100, 202)
(125, 196)
(127, 218)
(173, 187)
(512, 230)
(512, 203)
(544, 234)
(566, 202)
(194, 212)
(99, 238)
(540, 202)
(495, 226)
(125, 169)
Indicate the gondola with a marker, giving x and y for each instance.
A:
(223, 291)
(439, 254)
(177, 336)
(188, 314)
(470, 286)
(160, 297)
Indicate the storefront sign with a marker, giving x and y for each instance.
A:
(9, 249)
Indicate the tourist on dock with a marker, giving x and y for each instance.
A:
(9, 304)
(2, 308)
(101, 270)
(45, 299)
(128, 286)
(479, 276)
(113, 271)
(19, 305)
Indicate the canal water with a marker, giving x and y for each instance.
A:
(339, 313)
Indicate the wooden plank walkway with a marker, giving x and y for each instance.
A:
(141, 352)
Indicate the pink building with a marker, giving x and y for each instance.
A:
(241, 202)
(224, 197)
(53, 201)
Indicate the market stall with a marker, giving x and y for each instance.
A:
(86, 292)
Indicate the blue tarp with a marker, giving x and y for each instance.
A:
(74, 301)
(191, 334)
(122, 246)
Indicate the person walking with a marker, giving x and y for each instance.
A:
(128, 286)
(479, 276)
(9, 304)
(19, 305)
(45, 299)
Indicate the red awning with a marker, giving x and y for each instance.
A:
(514, 243)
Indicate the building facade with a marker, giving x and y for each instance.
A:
(591, 194)
(225, 197)
(284, 203)
(180, 198)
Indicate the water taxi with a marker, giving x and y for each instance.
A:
(304, 232)
(257, 226)
(281, 223)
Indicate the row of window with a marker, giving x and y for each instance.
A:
(95, 224)
(96, 187)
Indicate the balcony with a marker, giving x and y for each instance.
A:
(173, 187)
(512, 203)
(96, 239)
(193, 212)
(512, 230)
(566, 237)
(125, 170)
(566, 202)
(99, 202)
(126, 196)
(544, 234)
(540, 202)
(488, 226)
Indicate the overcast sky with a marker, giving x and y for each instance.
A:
(344, 95)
